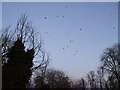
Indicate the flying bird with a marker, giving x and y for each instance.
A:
(66, 7)
(80, 29)
(113, 27)
(45, 17)
(71, 40)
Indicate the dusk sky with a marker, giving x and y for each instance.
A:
(75, 34)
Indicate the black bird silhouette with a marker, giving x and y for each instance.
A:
(66, 7)
(71, 40)
(80, 29)
(45, 17)
(113, 27)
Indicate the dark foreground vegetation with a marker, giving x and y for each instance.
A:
(20, 47)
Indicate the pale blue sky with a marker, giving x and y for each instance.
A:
(72, 50)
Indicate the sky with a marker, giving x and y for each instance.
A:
(75, 34)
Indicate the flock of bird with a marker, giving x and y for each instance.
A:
(56, 16)
(70, 41)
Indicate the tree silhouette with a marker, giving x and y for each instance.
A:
(19, 47)
(112, 82)
(110, 62)
(92, 80)
(17, 72)
(53, 79)
(100, 78)
(81, 83)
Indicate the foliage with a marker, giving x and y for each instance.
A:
(53, 79)
(20, 47)
(17, 72)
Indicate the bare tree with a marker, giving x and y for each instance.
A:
(53, 79)
(112, 82)
(25, 34)
(81, 84)
(92, 80)
(100, 78)
(110, 61)
(24, 30)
